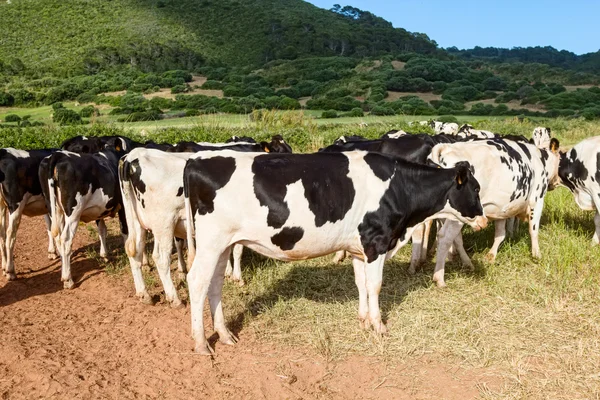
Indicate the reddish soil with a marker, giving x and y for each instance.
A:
(99, 341)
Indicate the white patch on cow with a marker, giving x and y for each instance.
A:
(17, 153)
(396, 135)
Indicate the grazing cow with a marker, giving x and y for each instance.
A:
(514, 178)
(276, 145)
(94, 144)
(294, 207)
(349, 138)
(394, 134)
(80, 187)
(579, 171)
(20, 194)
(467, 131)
(152, 189)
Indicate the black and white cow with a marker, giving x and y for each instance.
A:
(152, 189)
(94, 144)
(467, 131)
(20, 194)
(295, 207)
(80, 187)
(579, 171)
(514, 178)
(446, 128)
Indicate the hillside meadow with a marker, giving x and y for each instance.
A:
(532, 324)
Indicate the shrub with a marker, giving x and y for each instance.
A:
(56, 106)
(6, 99)
(329, 114)
(179, 89)
(88, 111)
(382, 110)
(191, 113)
(64, 116)
(447, 118)
(356, 112)
(12, 118)
(287, 103)
(213, 85)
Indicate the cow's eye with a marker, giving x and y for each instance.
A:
(477, 190)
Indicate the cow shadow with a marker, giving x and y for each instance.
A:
(47, 279)
(334, 283)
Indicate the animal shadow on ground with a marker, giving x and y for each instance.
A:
(332, 283)
(46, 279)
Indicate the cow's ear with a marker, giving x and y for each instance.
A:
(554, 145)
(265, 146)
(462, 172)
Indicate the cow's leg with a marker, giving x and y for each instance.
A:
(51, 247)
(163, 245)
(238, 249)
(144, 254)
(596, 238)
(460, 248)
(215, 292)
(181, 267)
(102, 235)
(446, 237)
(534, 227)
(3, 212)
(425, 245)
(417, 248)
(374, 275)
(65, 247)
(14, 219)
(136, 248)
(339, 256)
(499, 235)
(202, 270)
(361, 283)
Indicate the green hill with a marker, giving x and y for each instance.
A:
(70, 37)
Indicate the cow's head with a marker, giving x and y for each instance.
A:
(541, 137)
(553, 163)
(463, 197)
(277, 145)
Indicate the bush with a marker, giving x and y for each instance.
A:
(447, 118)
(381, 110)
(329, 114)
(12, 118)
(191, 113)
(287, 103)
(356, 112)
(6, 99)
(213, 85)
(179, 89)
(64, 116)
(88, 111)
(56, 106)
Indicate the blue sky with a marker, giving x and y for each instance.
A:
(569, 25)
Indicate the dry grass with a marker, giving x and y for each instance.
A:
(398, 64)
(392, 96)
(532, 324)
(573, 88)
(195, 84)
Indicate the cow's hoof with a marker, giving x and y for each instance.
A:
(440, 284)
(379, 327)
(468, 264)
(490, 258)
(204, 349)
(241, 282)
(228, 338)
(176, 304)
(52, 256)
(69, 284)
(412, 269)
(11, 276)
(364, 323)
(145, 298)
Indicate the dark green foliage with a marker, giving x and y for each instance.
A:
(65, 116)
(179, 89)
(213, 85)
(462, 93)
(329, 114)
(447, 118)
(382, 110)
(12, 118)
(356, 112)
(88, 111)
(6, 99)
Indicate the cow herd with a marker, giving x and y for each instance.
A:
(357, 197)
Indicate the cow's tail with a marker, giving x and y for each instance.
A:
(56, 212)
(189, 226)
(128, 194)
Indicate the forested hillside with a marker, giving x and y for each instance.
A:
(68, 37)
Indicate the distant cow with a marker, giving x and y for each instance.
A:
(294, 207)
(94, 144)
(467, 131)
(394, 134)
(152, 188)
(514, 178)
(446, 128)
(80, 187)
(20, 194)
(579, 171)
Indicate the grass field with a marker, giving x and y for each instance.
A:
(535, 324)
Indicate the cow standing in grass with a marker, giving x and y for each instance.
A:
(295, 207)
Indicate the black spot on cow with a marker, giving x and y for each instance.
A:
(180, 191)
(572, 170)
(382, 171)
(525, 149)
(327, 188)
(288, 237)
(597, 174)
(207, 176)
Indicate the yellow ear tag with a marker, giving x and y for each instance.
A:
(459, 180)
(118, 148)
(266, 149)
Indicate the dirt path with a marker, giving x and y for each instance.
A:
(98, 341)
